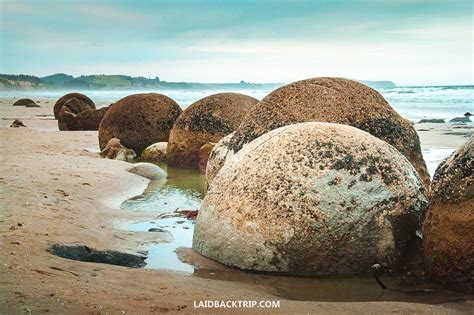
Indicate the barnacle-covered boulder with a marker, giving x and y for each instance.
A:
(139, 120)
(207, 120)
(333, 100)
(311, 198)
(448, 228)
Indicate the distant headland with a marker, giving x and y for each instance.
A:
(62, 81)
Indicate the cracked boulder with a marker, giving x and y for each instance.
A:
(82, 102)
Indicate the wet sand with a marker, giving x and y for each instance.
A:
(55, 189)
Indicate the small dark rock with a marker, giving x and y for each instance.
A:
(25, 102)
(17, 124)
(433, 121)
(156, 230)
(461, 119)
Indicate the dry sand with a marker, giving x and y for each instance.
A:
(54, 188)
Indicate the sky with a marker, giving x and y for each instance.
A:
(410, 42)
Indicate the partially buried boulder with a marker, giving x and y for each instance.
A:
(333, 100)
(311, 198)
(155, 152)
(147, 170)
(448, 228)
(207, 120)
(83, 100)
(116, 151)
(139, 120)
(217, 157)
(25, 102)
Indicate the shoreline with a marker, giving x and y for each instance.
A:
(60, 191)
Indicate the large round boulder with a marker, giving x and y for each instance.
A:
(311, 198)
(333, 100)
(82, 99)
(448, 228)
(207, 120)
(139, 120)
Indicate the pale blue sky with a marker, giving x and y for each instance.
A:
(406, 41)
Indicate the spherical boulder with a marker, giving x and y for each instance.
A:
(448, 228)
(83, 100)
(207, 120)
(139, 120)
(25, 102)
(155, 152)
(219, 154)
(311, 198)
(333, 100)
(147, 170)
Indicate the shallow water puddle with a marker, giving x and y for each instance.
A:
(184, 190)
(163, 255)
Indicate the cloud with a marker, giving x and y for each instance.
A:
(405, 41)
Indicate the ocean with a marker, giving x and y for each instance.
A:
(413, 103)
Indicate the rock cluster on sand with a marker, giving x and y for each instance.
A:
(207, 120)
(147, 170)
(88, 119)
(82, 103)
(333, 100)
(155, 152)
(139, 120)
(217, 157)
(311, 198)
(448, 228)
(116, 151)
(25, 102)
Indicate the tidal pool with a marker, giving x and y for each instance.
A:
(184, 189)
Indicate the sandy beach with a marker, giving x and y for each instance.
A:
(55, 189)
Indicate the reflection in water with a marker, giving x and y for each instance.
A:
(182, 189)
(163, 255)
(361, 288)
